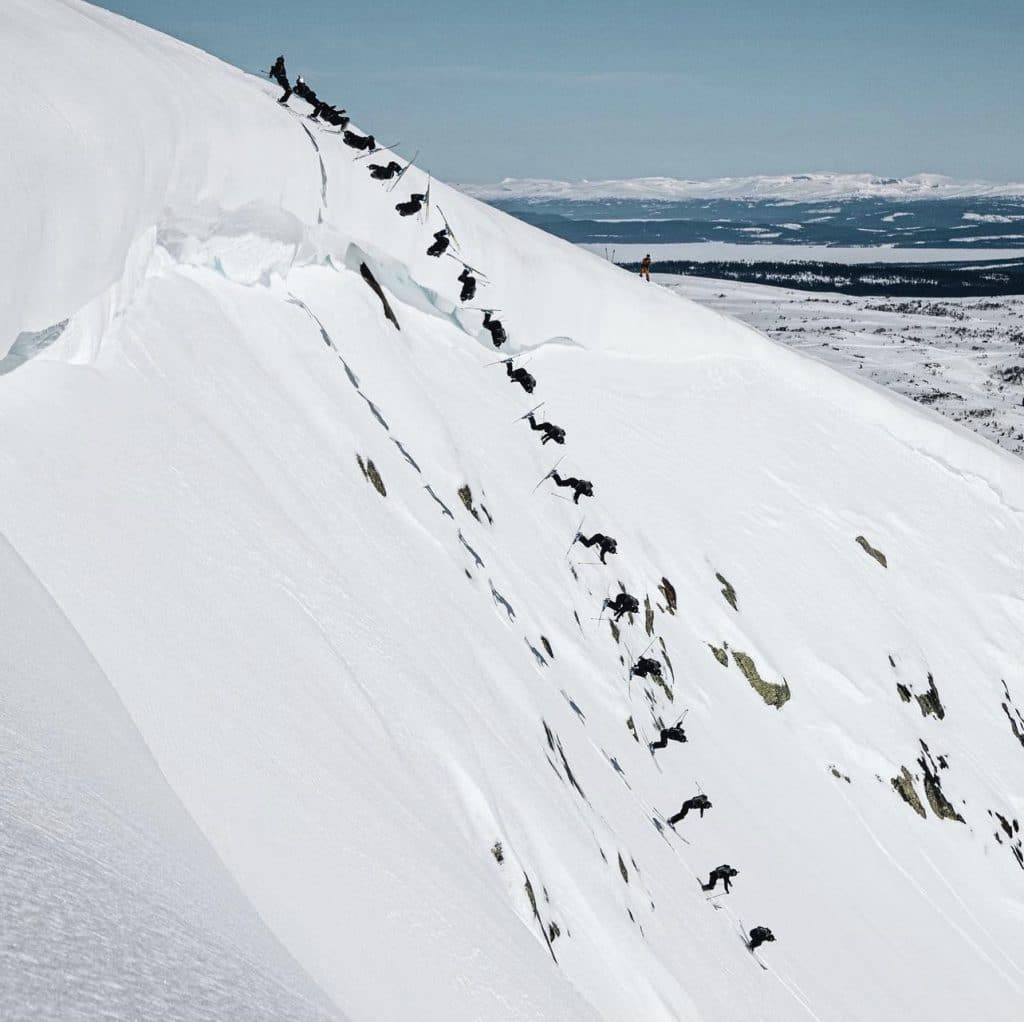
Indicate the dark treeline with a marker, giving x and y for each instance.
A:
(931, 280)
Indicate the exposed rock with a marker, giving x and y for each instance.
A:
(872, 552)
(721, 655)
(1014, 717)
(941, 806)
(622, 869)
(632, 729)
(930, 701)
(371, 475)
(903, 691)
(904, 785)
(668, 662)
(547, 646)
(498, 852)
(727, 591)
(664, 686)
(669, 592)
(773, 694)
(466, 496)
(648, 616)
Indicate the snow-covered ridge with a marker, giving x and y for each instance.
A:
(311, 705)
(787, 187)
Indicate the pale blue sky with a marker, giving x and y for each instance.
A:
(617, 89)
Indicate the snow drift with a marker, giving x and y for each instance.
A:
(295, 658)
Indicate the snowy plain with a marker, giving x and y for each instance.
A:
(245, 691)
(962, 357)
(717, 251)
(813, 187)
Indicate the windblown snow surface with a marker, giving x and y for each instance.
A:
(265, 726)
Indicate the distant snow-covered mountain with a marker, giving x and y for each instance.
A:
(785, 187)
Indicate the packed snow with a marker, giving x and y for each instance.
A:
(311, 707)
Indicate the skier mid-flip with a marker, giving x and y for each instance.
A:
(355, 141)
(385, 173)
(724, 873)
(332, 115)
(645, 667)
(622, 604)
(605, 544)
(758, 936)
(414, 204)
(549, 429)
(668, 734)
(468, 282)
(580, 487)
(698, 802)
(305, 92)
(441, 243)
(494, 327)
(520, 376)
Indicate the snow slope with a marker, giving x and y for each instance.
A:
(814, 187)
(350, 697)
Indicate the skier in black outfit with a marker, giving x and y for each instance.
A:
(305, 92)
(520, 376)
(414, 205)
(645, 666)
(758, 936)
(700, 802)
(605, 544)
(441, 243)
(582, 487)
(623, 603)
(468, 282)
(355, 141)
(668, 734)
(550, 430)
(379, 173)
(725, 873)
(333, 116)
(497, 331)
(278, 73)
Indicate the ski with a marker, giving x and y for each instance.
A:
(529, 413)
(651, 643)
(448, 228)
(746, 944)
(426, 203)
(401, 173)
(511, 358)
(553, 467)
(378, 149)
(467, 266)
(576, 533)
